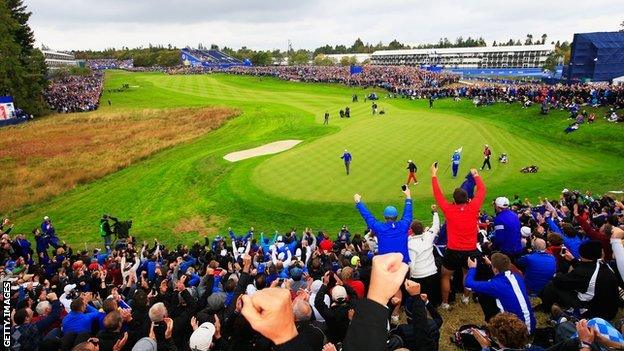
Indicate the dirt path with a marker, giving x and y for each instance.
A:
(266, 149)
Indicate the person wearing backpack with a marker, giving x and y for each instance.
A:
(27, 335)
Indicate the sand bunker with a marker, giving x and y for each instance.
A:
(266, 149)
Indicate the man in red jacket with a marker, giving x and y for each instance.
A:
(461, 226)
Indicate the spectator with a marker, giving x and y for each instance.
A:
(539, 267)
(392, 234)
(506, 287)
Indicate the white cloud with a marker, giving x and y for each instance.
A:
(84, 24)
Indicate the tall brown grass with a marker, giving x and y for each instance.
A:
(46, 157)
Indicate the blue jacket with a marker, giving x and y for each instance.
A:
(186, 264)
(392, 236)
(539, 268)
(346, 157)
(151, 270)
(510, 293)
(507, 232)
(78, 322)
(456, 157)
(571, 243)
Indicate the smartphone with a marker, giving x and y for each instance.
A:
(435, 164)
(563, 250)
(403, 187)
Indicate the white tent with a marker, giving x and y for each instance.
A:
(618, 80)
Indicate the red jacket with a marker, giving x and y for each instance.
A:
(461, 220)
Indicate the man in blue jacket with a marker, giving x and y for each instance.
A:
(539, 267)
(346, 157)
(507, 236)
(80, 318)
(391, 234)
(506, 287)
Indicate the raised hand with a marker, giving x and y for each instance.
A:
(269, 311)
(387, 275)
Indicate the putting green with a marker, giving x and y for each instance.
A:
(190, 190)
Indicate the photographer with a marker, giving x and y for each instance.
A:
(105, 229)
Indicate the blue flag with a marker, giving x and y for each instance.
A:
(353, 69)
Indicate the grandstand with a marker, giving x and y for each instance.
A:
(55, 60)
(208, 58)
(597, 57)
(524, 60)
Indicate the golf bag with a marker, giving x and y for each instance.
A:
(529, 169)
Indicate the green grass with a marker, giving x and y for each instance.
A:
(306, 186)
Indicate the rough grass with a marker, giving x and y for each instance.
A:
(50, 156)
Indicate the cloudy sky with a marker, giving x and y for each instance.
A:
(268, 24)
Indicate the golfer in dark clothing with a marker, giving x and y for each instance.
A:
(431, 98)
(412, 172)
(326, 118)
(486, 157)
(346, 157)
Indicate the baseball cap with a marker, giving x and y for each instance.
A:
(201, 339)
(390, 211)
(502, 202)
(565, 191)
(525, 231)
(69, 287)
(409, 161)
(338, 292)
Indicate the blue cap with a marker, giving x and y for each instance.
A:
(261, 268)
(391, 211)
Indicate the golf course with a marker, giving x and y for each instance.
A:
(187, 189)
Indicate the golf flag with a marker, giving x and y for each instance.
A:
(353, 69)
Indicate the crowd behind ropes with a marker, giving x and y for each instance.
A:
(75, 93)
(412, 82)
(306, 290)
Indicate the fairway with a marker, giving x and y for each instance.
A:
(190, 189)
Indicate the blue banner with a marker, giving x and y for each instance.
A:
(353, 69)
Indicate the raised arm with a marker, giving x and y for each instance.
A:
(364, 212)
(480, 194)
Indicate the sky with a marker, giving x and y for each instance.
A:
(269, 24)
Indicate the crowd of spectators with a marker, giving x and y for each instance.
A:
(75, 93)
(98, 64)
(403, 78)
(416, 83)
(315, 291)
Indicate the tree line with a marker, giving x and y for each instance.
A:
(22, 66)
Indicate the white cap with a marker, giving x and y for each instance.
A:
(46, 218)
(201, 339)
(502, 202)
(338, 292)
(525, 231)
(345, 150)
(486, 145)
(69, 287)
(410, 161)
(565, 191)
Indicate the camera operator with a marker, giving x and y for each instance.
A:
(105, 229)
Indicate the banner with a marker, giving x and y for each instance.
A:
(355, 69)
(7, 110)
